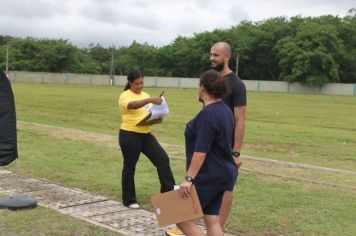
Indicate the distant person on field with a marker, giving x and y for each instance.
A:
(220, 55)
(210, 165)
(135, 140)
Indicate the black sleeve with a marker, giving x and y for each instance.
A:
(239, 94)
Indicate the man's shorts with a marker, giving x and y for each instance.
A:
(210, 201)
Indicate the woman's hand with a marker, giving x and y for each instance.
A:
(237, 161)
(155, 121)
(184, 190)
(156, 100)
(159, 120)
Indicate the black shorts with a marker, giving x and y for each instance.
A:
(210, 201)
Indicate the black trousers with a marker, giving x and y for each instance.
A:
(132, 144)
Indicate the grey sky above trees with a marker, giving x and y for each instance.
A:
(157, 22)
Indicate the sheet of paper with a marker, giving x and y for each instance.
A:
(158, 111)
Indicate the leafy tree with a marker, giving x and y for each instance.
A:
(5, 39)
(84, 64)
(56, 55)
(31, 54)
(308, 56)
(347, 61)
(137, 57)
(101, 56)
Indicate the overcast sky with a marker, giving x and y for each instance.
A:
(157, 22)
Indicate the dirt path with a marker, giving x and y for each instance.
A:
(261, 166)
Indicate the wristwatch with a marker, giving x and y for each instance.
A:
(188, 179)
(235, 154)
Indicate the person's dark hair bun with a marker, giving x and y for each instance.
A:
(214, 84)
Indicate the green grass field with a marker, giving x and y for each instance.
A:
(318, 130)
(313, 129)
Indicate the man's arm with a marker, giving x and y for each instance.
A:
(240, 114)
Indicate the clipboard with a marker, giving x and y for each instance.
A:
(170, 208)
(144, 121)
(155, 112)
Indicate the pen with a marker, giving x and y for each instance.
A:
(161, 94)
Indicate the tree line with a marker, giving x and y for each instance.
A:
(311, 50)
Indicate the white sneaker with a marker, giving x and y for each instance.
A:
(134, 206)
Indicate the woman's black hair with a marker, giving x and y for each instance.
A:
(215, 85)
(131, 77)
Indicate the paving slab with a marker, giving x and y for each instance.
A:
(95, 209)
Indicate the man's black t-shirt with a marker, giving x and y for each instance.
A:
(237, 95)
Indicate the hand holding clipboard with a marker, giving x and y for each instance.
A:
(156, 112)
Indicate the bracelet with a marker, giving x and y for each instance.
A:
(188, 179)
(236, 154)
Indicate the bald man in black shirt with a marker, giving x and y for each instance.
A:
(220, 55)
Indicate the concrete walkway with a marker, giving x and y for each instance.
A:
(97, 210)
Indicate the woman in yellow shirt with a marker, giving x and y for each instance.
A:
(134, 139)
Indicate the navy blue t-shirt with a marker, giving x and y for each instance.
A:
(211, 132)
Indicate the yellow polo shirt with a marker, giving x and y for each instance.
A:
(129, 118)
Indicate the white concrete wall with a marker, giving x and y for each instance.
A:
(301, 88)
(171, 82)
(251, 85)
(189, 82)
(339, 89)
(120, 80)
(272, 86)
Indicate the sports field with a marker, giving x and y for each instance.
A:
(270, 199)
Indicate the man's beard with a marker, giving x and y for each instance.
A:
(219, 67)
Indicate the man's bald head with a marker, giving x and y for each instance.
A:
(223, 47)
(220, 54)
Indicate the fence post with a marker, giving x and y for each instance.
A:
(354, 89)
(155, 81)
(288, 87)
(178, 82)
(42, 77)
(91, 79)
(258, 85)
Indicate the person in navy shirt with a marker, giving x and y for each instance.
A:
(210, 165)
